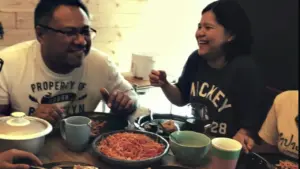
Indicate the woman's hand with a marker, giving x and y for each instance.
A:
(243, 136)
(158, 78)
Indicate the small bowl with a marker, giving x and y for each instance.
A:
(189, 147)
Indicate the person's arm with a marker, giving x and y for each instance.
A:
(158, 78)
(264, 147)
(4, 96)
(173, 94)
(268, 132)
(179, 93)
(248, 90)
(247, 94)
(116, 82)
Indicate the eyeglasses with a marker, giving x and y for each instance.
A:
(88, 33)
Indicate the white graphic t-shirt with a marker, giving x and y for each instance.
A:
(280, 127)
(26, 82)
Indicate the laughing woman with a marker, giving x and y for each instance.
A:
(220, 80)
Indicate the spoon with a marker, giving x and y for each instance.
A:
(151, 116)
(36, 167)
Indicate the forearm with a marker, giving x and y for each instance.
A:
(134, 97)
(265, 148)
(173, 94)
(128, 104)
(245, 131)
(250, 125)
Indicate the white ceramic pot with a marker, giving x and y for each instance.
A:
(23, 132)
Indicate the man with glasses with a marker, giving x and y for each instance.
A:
(60, 73)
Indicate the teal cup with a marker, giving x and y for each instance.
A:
(189, 147)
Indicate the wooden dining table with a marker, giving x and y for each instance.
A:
(55, 150)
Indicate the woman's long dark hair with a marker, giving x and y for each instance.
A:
(233, 18)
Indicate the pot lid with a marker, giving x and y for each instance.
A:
(18, 126)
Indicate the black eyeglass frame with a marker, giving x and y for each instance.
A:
(73, 33)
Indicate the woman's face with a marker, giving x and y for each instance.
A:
(211, 36)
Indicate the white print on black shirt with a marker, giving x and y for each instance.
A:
(217, 98)
(220, 128)
(212, 93)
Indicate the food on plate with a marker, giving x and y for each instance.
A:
(56, 167)
(152, 127)
(169, 126)
(84, 167)
(130, 146)
(286, 164)
(96, 127)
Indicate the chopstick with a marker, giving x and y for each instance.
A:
(127, 90)
(36, 167)
(151, 116)
(105, 94)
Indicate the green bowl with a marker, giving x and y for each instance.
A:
(189, 147)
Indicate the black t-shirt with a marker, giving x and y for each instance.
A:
(228, 97)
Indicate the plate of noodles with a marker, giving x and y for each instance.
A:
(281, 161)
(130, 148)
(69, 165)
(260, 160)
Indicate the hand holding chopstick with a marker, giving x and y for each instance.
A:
(119, 100)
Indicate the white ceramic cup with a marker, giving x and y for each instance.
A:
(225, 153)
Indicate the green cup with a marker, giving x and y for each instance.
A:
(225, 153)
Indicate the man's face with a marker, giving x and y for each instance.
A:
(67, 39)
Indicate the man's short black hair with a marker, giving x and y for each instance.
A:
(45, 8)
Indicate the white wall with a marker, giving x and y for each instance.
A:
(166, 27)
(113, 19)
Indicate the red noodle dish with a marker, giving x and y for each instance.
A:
(84, 167)
(130, 146)
(286, 165)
